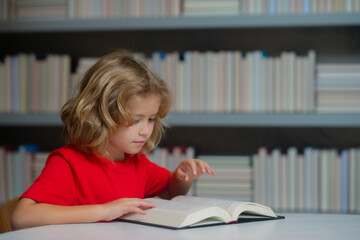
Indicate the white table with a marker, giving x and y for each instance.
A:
(294, 226)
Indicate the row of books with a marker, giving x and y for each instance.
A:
(272, 7)
(19, 167)
(234, 81)
(30, 83)
(224, 81)
(338, 87)
(85, 9)
(315, 180)
(124, 8)
(312, 180)
(34, 9)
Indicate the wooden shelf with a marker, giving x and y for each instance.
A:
(174, 23)
(213, 120)
(19, 119)
(266, 120)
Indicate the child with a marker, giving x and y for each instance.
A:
(102, 173)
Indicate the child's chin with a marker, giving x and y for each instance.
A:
(135, 151)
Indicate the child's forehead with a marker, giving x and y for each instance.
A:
(140, 104)
(144, 97)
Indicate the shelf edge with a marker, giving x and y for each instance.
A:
(213, 120)
(182, 22)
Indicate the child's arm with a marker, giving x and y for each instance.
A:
(181, 179)
(29, 213)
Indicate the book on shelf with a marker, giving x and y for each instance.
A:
(232, 180)
(30, 10)
(189, 212)
(338, 87)
(212, 8)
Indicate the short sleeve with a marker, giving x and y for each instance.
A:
(157, 179)
(55, 185)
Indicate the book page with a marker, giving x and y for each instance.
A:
(182, 207)
(226, 204)
(235, 208)
(178, 214)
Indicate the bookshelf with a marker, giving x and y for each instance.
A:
(334, 38)
(212, 120)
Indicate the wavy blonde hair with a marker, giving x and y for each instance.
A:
(100, 106)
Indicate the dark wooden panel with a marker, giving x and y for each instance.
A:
(326, 41)
(209, 140)
(47, 138)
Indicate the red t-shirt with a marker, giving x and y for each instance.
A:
(73, 178)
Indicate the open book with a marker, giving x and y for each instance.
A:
(184, 212)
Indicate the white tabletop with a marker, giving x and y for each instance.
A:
(294, 226)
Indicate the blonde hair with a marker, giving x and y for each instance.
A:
(100, 106)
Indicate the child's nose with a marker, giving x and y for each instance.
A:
(145, 130)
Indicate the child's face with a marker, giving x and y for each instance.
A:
(131, 139)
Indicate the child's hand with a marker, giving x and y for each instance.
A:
(191, 169)
(120, 207)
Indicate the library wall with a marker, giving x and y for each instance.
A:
(336, 43)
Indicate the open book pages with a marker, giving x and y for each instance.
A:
(234, 208)
(184, 211)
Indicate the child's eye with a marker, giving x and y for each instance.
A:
(136, 121)
(151, 119)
